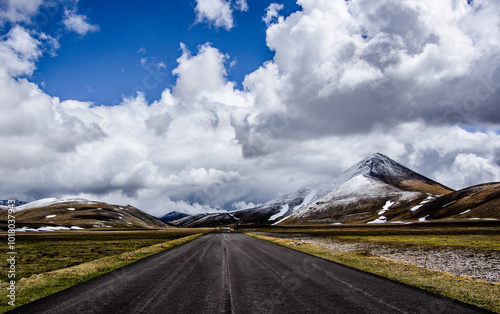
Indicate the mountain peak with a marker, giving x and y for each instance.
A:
(378, 164)
(382, 168)
(377, 155)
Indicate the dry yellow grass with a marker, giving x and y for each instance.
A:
(419, 186)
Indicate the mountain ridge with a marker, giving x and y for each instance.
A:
(406, 186)
(377, 189)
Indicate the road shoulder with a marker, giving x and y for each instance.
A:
(472, 291)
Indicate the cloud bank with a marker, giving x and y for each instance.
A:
(416, 80)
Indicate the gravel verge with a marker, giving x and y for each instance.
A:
(484, 265)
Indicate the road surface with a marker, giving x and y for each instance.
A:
(234, 273)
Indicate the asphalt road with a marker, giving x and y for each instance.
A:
(234, 273)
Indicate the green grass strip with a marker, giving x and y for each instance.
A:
(477, 292)
(41, 285)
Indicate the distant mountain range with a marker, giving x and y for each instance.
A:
(16, 202)
(375, 190)
(173, 216)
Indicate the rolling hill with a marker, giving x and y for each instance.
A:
(66, 214)
(479, 202)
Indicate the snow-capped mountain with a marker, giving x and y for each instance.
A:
(367, 191)
(358, 194)
(376, 177)
(386, 170)
(360, 199)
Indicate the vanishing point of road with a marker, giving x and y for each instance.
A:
(234, 273)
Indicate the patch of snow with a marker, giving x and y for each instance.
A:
(337, 223)
(232, 216)
(422, 219)
(58, 228)
(416, 207)
(305, 196)
(282, 211)
(49, 228)
(306, 200)
(39, 203)
(24, 229)
(379, 220)
(473, 193)
(468, 210)
(98, 224)
(71, 208)
(51, 201)
(359, 185)
(386, 207)
(50, 216)
(427, 200)
(279, 221)
(482, 219)
(449, 203)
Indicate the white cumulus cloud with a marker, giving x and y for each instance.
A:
(272, 14)
(78, 23)
(416, 80)
(18, 10)
(19, 52)
(218, 13)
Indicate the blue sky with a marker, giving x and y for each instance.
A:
(210, 105)
(105, 65)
